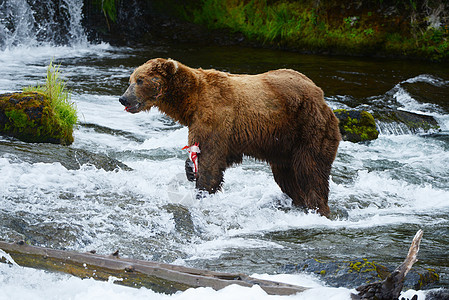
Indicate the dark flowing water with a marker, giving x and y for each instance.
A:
(381, 192)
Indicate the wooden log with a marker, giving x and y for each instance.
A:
(160, 277)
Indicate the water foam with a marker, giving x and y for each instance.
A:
(427, 78)
(410, 104)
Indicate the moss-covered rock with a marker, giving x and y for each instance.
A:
(361, 271)
(29, 117)
(356, 126)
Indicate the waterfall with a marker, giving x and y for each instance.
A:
(33, 23)
(400, 127)
(394, 128)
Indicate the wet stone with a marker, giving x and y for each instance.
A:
(414, 123)
(360, 271)
(70, 158)
(356, 126)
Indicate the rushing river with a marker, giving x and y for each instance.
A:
(381, 192)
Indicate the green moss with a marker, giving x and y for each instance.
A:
(19, 119)
(356, 126)
(362, 267)
(60, 107)
(29, 117)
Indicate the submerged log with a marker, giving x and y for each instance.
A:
(351, 273)
(160, 277)
(167, 278)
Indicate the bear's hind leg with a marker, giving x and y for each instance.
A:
(312, 175)
(285, 177)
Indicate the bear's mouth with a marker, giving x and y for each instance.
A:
(133, 109)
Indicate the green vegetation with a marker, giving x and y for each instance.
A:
(356, 126)
(365, 266)
(19, 119)
(329, 26)
(41, 113)
(55, 90)
(406, 28)
(109, 9)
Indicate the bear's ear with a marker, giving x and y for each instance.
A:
(170, 66)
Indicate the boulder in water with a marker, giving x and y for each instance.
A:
(360, 271)
(70, 158)
(356, 126)
(29, 117)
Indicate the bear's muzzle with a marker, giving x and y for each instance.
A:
(129, 100)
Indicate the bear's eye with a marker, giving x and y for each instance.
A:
(139, 81)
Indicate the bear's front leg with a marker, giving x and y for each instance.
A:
(210, 172)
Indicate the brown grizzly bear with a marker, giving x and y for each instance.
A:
(279, 117)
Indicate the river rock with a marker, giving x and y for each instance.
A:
(70, 158)
(359, 272)
(356, 126)
(29, 117)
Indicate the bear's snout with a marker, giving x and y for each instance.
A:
(123, 100)
(130, 101)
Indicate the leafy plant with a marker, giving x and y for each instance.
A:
(59, 97)
(109, 9)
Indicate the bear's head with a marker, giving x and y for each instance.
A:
(148, 84)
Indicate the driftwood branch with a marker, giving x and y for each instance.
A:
(168, 278)
(391, 287)
(159, 277)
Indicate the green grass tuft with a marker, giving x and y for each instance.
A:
(59, 96)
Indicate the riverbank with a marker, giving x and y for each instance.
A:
(405, 29)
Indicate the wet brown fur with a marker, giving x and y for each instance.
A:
(279, 116)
